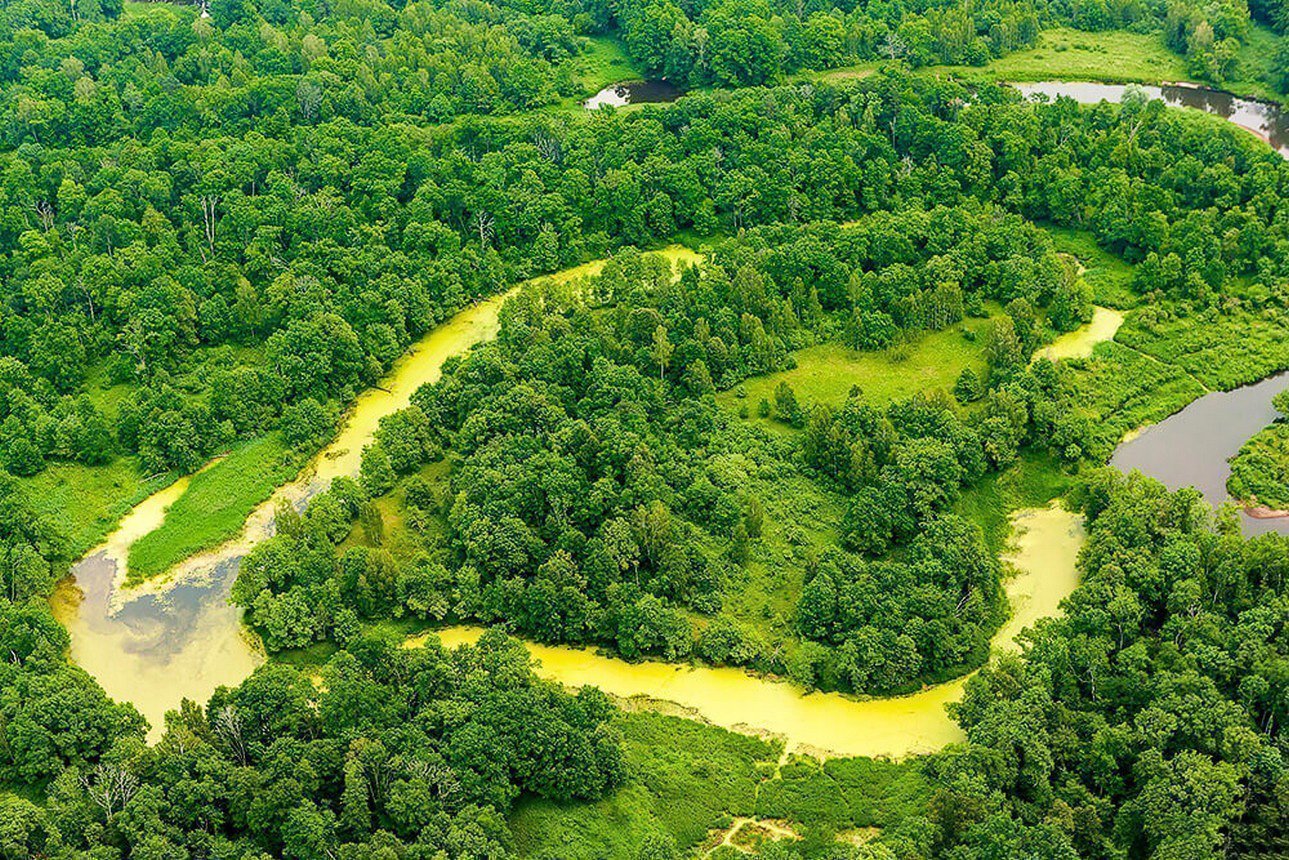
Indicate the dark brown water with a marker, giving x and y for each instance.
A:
(1193, 447)
(1266, 120)
(633, 93)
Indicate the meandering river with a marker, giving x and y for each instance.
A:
(178, 636)
(1265, 120)
(1044, 552)
(1193, 447)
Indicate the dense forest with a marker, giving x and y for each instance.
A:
(219, 224)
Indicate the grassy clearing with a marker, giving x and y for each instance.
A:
(1032, 481)
(802, 519)
(684, 779)
(1121, 389)
(86, 502)
(1255, 66)
(826, 372)
(605, 62)
(215, 505)
(1109, 276)
(687, 780)
(1074, 55)
(842, 795)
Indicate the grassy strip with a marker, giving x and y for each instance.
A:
(841, 796)
(86, 502)
(684, 779)
(1260, 471)
(1031, 482)
(1221, 350)
(1109, 276)
(215, 505)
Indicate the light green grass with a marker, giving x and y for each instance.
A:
(215, 505)
(605, 62)
(1032, 481)
(1256, 59)
(689, 781)
(826, 372)
(802, 518)
(684, 778)
(1260, 471)
(1074, 55)
(1109, 276)
(1221, 350)
(86, 502)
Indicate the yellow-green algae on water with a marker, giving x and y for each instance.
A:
(1080, 342)
(177, 636)
(1044, 553)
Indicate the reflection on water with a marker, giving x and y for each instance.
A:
(633, 93)
(178, 636)
(1266, 120)
(1079, 343)
(1044, 552)
(161, 647)
(1194, 446)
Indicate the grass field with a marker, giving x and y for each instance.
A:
(1074, 55)
(826, 372)
(85, 502)
(1032, 481)
(1255, 62)
(1260, 471)
(215, 505)
(1221, 350)
(690, 781)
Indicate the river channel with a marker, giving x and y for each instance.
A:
(1193, 447)
(1266, 120)
(178, 636)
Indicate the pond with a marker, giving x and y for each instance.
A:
(1193, 447)
(1080, 342)
(178, 636)
(633, 93)
(1264, 119)
(1044, 552)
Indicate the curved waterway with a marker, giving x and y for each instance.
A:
(1266, 120)
(178, 636)
(1193, 447)
(1044, 552)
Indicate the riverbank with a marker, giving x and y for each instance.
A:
(1119, 57)
(1043, 554)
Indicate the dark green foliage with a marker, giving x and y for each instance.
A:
(1145, 719)
(750, 42)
